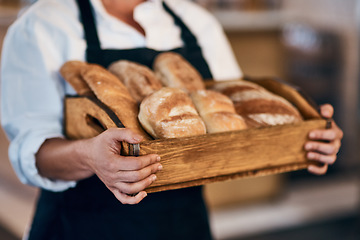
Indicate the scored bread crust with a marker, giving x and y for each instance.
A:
(170, 113)
(138, 79)
(109, 90)
(176, 72)
(71, 72)
(217, 111)
(257, 105)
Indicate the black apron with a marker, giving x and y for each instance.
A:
(90, 210)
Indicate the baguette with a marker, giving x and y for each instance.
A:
(138, 79)
(114, 94)
(71, 72)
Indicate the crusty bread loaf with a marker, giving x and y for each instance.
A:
(176, 72)
(170, 113)
(217, 111)
(258, 106)
(138, 79)
(109, 90)
(71, 72)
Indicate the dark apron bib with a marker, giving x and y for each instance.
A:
(90, 210)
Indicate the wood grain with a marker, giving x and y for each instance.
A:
(217, 157)
(84, 118)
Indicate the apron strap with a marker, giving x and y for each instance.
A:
(188, 38)
(88, 21)
(191, 45)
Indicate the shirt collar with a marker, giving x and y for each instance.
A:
(101, 11)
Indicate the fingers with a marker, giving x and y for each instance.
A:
(133, 170)
(126, 199)
(318, 170)
(133, 182)
(330, 148)
(135, 187)
(324, 152)
(122, 175)
(135, 176)
(328, 159)
(135, 163)
(331, 134)
(324, 144)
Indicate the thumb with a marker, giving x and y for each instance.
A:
(125, 134)
(326, 111)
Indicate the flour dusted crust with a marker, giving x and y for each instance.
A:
(138, 79)
(258, 106)
(71, 72)
(109, 90)
(217, 111)
(174, 71)
(170, 113)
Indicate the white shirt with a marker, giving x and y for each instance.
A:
(49, 33)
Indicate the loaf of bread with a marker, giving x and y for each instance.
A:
(170, 113)
(258, 106)
(217, 111)
(138, 79)
(109, 90)
(71, 72)
(176, 72)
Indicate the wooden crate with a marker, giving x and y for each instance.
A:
(197, 160)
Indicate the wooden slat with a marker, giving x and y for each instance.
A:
(216, 157)
(238, 175)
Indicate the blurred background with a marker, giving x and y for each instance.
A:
(311, 44)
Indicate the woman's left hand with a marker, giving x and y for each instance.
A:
(324, 144)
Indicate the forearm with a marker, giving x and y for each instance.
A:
(63, 159)
(74, 160)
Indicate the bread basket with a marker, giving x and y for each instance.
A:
(197, 160)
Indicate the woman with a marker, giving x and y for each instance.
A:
(86, 185)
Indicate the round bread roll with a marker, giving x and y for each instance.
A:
(170, 113)
(258, 106)
(176, 72)
(217, 111)
(138, 79)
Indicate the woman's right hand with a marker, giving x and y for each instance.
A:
(123, 176)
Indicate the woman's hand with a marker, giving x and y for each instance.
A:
(123, 176)
(324, 144)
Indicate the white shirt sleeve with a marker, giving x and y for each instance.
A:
(50, 33)
(31, 97)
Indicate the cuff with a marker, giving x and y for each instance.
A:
(22, 157)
